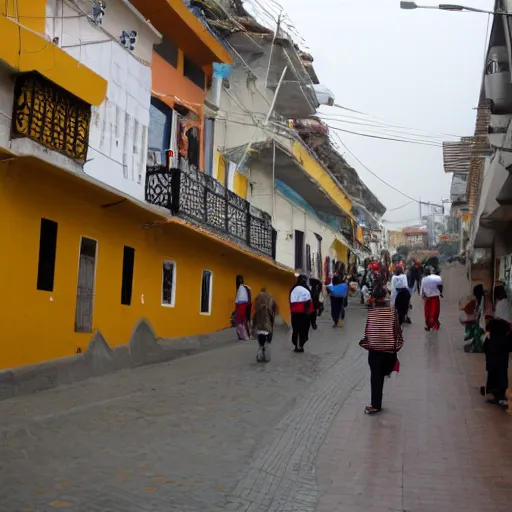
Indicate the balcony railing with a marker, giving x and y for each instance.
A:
(200, 198)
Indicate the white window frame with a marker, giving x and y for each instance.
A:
(211, 293)
(173, 292)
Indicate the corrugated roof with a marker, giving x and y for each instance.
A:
(457, 155)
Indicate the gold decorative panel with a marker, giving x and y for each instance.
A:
(50, 115)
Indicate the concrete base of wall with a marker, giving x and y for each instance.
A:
(144, 348)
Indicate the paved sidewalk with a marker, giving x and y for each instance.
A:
(209, 433)
(218, 432)
(436, 447)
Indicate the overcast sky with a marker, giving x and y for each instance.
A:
(420, 69)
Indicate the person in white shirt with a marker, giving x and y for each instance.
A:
(400, 294)
(431, 291)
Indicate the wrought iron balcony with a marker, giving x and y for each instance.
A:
(202, 199)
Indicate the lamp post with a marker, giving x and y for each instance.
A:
(448, 7)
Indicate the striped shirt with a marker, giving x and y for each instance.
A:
(383, 332)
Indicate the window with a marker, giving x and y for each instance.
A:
(319, 256)
(168, 52)
(47, 254)
(127, 277)
(168, 283)
(299, 249)
(194, 73)
(309, 264)
(206, 293)
(209, 127)
(160, 126)
(274, 244)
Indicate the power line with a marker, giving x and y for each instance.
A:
(390, 131)
(382, 121)
(373, 174)
(400, 207)
(377, 124)
(393, 139)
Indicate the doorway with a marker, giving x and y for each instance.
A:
(86, 285)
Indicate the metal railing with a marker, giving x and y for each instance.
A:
(198, 197)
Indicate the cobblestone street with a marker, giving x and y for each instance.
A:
(219, 432)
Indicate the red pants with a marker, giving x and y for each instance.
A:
(432, 311)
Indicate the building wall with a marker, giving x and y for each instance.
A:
(118, 134)
(119, 126)
(76, 31)
(244, 105)
(39, 325)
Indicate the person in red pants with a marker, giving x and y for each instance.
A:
(432, 291)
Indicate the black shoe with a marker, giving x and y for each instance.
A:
(314, 327)
(296, 349)
(301, 350)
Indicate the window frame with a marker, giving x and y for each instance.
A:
(210, 298)
(173, 289)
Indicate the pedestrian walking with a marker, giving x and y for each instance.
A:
(497, 346)
(318, 306)
(265, 310)
(338, 292)
(432, 291)
(243, 307)
(301, 306)
(400, 294)
(383, 339)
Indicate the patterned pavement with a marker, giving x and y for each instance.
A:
(437, 447)
(218, 432)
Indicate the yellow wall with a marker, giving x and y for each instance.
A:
(24, 51)
(240, 185)
(341, 251)
(319, 174)
(38, 325)
(221, 169)
(31, 13)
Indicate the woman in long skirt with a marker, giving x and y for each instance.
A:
(243, 307)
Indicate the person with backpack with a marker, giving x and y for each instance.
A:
(338, 290)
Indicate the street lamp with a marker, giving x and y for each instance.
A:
(448, 7)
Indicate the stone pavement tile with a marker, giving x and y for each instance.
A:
(435, 446)
(214, 432)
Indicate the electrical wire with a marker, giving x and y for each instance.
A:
(385, 123)
(393, 139)
(376, 175)
(433, 138)
(399, 207)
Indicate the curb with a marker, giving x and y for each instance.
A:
(144, 348)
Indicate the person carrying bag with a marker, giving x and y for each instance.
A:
(383, 339)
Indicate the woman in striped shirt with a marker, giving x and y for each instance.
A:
(383, 339)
